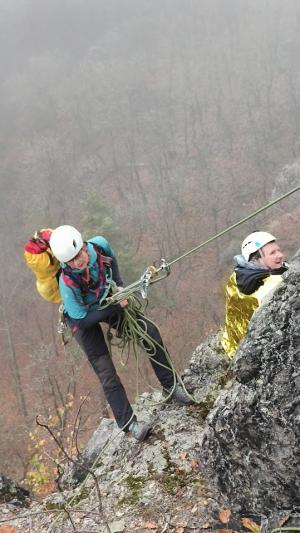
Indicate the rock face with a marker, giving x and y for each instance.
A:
(250, 445)
(76, 472)
(207, 370)
(11, 492)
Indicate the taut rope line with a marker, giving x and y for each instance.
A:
(151, 274)
(253, 214)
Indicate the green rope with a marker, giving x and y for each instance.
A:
(252, 215)
(278, 529)
(165, 266)
(131, 331)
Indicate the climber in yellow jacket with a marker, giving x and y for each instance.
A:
(258, 272)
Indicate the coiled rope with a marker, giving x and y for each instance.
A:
(130, 329)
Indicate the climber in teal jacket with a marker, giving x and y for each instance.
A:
(88, 271)
(103, 268)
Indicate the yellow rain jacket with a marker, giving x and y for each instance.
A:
(240, 305)
(40, 259)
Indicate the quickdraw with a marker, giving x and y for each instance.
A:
(63, 329)
(150, 276)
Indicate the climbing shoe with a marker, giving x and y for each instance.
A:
(179, 395)
(140, 430)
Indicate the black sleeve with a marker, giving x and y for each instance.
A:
(96, 316)
(248, 281)
(116, 272)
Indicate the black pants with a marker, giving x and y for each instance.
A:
(93, 343)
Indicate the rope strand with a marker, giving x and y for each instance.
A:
(150, 276)
(245, 219)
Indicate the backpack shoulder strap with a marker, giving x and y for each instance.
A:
(105, 259)
(69, 279)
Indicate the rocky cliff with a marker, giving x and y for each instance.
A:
(250, 443)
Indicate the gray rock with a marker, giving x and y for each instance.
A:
(76, 473)
(280, 519)
(117, 526)
(10, 491)
(207, 370)
(250, 445)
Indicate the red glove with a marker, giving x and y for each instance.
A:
(39, 243)
(45, 234)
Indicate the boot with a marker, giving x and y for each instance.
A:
(179, 395)
(140, 430)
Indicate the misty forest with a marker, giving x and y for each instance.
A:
(157, 124)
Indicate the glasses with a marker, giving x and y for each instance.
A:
(77, 256)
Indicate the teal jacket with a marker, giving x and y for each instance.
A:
(79, 303)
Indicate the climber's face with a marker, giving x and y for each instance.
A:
(271, 256)
(80, 260)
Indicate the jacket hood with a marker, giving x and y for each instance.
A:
(250, 276)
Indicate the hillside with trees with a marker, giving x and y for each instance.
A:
(156, 124)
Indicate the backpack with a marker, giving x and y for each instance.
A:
(46, 268)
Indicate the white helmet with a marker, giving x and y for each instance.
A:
(254, 242)
(65, 243)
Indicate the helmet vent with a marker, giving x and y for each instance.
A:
(74, 243)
